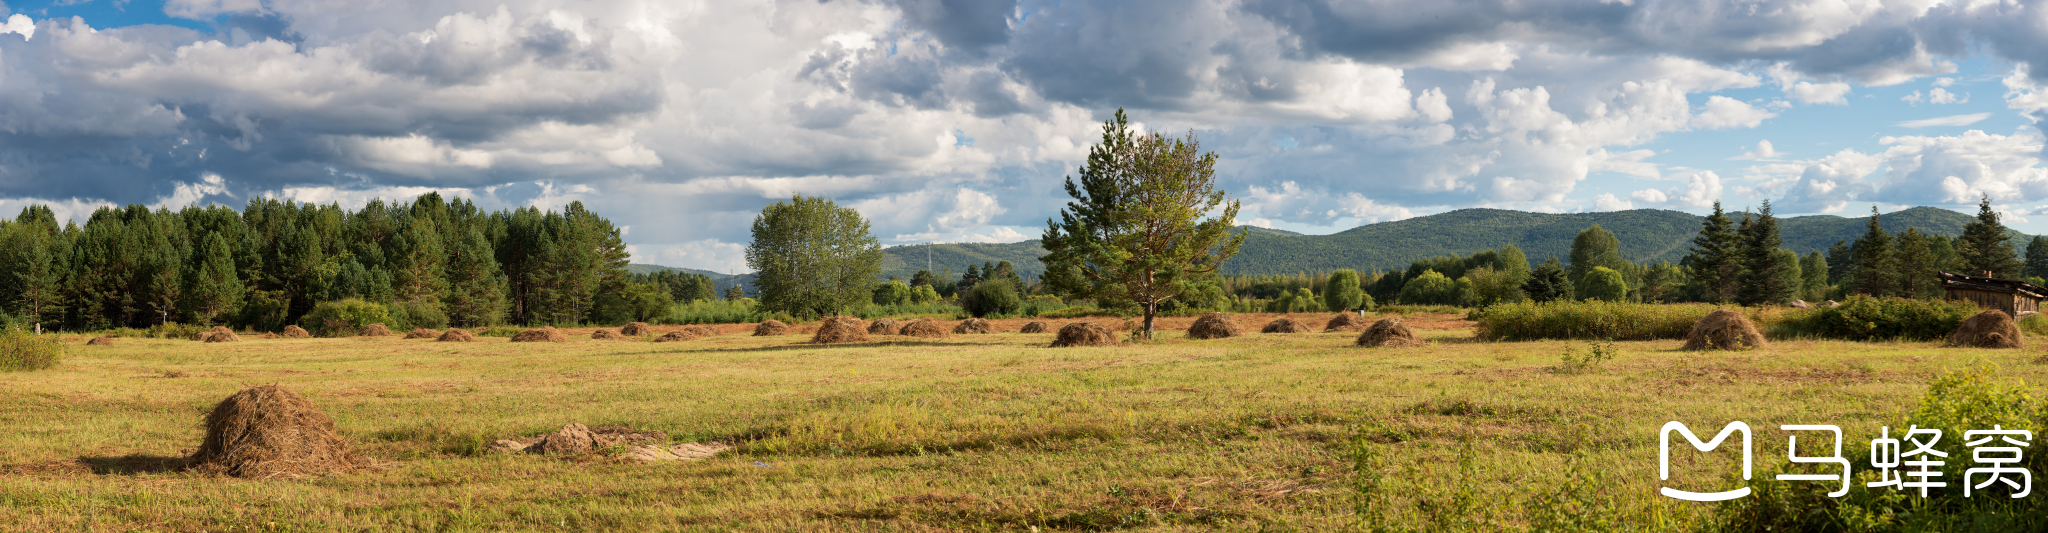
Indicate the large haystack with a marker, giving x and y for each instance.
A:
(676, 336)
(840, 329)
(295, 332)
(457, 335)
(267, 431)
(1388, 332)
(771, 327)
(422, 333)
(542, 334)
(1724, 329)
(605, 335)
(1285, 325)
(1084, 334)
(884, 326)
(925, 328)
(1345, 322)
(220, 334)
(635, 329)
(100, 341)
(1214, 326)
(1034, 327)
(375, 330)
(974, 326)
(1990, 328)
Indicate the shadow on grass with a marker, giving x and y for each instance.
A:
(132, 464)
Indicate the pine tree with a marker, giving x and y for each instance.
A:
(1814, 270)
(1841, 260)
(2037, 258)
(476, 288)
(417, 264)
(214, 291)
(1546, 283)
(1985, 245)
(1764, 278)
(1876, 271)
(40, 277)
(1712, 259)
(1914, 256)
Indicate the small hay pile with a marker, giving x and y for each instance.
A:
(1723, 329)
(1990, 328)
(267, 431)
(1084, 334)
(1214, 326)
(635, 329)
(422, 333)
(840, 329)
(1285, 325)
(974, 326)
(925, 328)
(1345, 322)
(605, 335)
(544, 334)
(220, 334)
(576, 439)
(884, 326)
(295, 332)
(702, 331)
(375, 330)
(100, 341)
(457, 335)
(1034, 327)
(1388, 332)
(771, 327)
(676, 336)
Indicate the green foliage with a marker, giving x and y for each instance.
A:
(635, 302)
(1986, 246)
(1548, 283)
(1594, 248)
(344, 318)
(1430, 288)
(1917, 264)
(893, 293)
(813, 258)
(1866, 318)
(1876, 271)
(2035, 324)
(924, 294)
(1342, 293)
(1714, 259)
(2037, 258)
(1575, 362)
(722, 312)
(992, 298)
(215, 290)
(1764, 278)
(22, 350)
(1300, 300)
(408, 315)
(1589, 319)
(1813, 283)
(1603, 283)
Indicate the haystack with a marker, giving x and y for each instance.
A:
(675, 336)
(1214, 326)
(1724, 329)
(1345, 322)
(1084, 334)
(974, 326)
(840, 329)
(604, 335)
(701, 331)
(267, 431)
(1285, 325)
(1990, 328)
(375, 330)
(295, 332)
(884, 326)
(456, 335)
(771, 327)
(635, 329)
(544, 334)
(220, 334)
(422, 333)
(925, 328)
(1034, 327)
(100, 341)
(1388, 332)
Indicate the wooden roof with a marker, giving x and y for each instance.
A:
(1951, 280)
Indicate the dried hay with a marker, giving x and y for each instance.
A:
(974, 326)
(1214, 326)
(1286, 325)
(268, 431)
(605, 335)
(1084, 334)
(457, 335)
(675, 336)
(1388, 332)
(1724, 329)
(422, 333)
(375, 330)
(884, 326)
(543, 334)
(220, 334)
(100, 341)
(1034, 327)
(925, 328)
(1801, 304)
(840, 329)
(702, 331)
(635, 329)
(1990, 328)
(295, 332)
(577, 439)
(1345, 322)
(771, 327)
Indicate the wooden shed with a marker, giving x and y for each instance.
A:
(2016, 298)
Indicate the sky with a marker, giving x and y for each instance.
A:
(958, 121)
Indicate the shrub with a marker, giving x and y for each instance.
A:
(411, 315)
(892, 293)
(1865, 318)
(1590, 319)
(1603, 284)
(343, 318)
(991, 298)
(1430, 288)
(23, 351)
(174, 330)
(2035, 324)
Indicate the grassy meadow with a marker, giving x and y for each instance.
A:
(980, 433)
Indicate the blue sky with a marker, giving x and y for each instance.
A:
(956, 120)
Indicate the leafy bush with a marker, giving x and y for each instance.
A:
(1603, 284)
(2035, 324)
(174, 330)
(1881, 319)
(1430, 288)
(23, 351)
(1590, 319)
(409, 315)
(991, 298)
(721, 312)
(499, 331)
(343, 318)
(1405, 309)
(892, 293)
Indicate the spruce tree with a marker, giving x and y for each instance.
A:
(1814, 269)
(2037, 258)
(1914, 256)
(1841, 260)
(214, 292)
(418, 263)
(476, 288)
(1546, 283)
(1876, 271)
(1985, 245)
(1712, 259)
(1763, 278)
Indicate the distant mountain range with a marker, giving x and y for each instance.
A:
(1647, 235)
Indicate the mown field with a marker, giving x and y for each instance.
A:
(981, 433)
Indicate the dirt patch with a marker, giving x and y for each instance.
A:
(1726, 329)
(540, 335)
(295, 332)
(457, 335)
(838, 329)
(1990, 328)
(925, 328)
(422, 333)
(100, 341)
(1084, 334)
(1034, 327)
(1286, 325)
(375, 330)
(636, 329)
(884, 326)
(1345, 322)
(268, 431)
(605, 335)
(1214, 326)
(771, 327)
(974, 326)
(220, 334)
(1388, 332)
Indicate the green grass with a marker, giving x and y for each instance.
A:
(982, 432)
